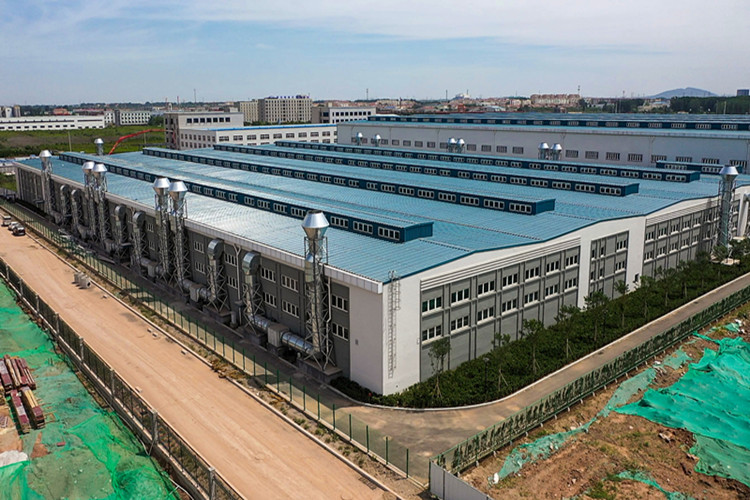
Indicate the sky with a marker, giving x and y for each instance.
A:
(73, 51)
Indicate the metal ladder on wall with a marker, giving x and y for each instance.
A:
(394, 304)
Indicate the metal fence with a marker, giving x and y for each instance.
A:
(482, 444)
(198, 477)
(347, 426)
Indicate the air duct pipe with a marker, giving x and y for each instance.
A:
(118, 229)
(161, 187)
(75, 210)
(99, 174)
(460, 145)
(452, 144)
(543, 151)
(556, 151)
(47, 185)
(315, 226)
(726, 191)
(376, 140)
(137, 239)
(177, 192)
(358, 138)
(253, 301)
(62, 203)
(99, 147)
(88, 179)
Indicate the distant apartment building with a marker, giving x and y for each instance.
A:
(132, 117)
(176, 121)
(339, 114)
(743, 92)
(551, 100)
(70, 122)
(249, 110)
(199, 137)
(109, 117)
(6, 112)
(285, 109)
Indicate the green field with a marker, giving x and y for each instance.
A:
(25, 143)
(7, 182)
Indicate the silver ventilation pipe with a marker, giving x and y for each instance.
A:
(62, 202)
(452, 142)
(376, 140)
(88, 181)
(358, 138)
(47, 185)
(460, 145)
(99, 174)
(543, 151)
(215, 276)
(726, 192)
(137, 223)
(315, 226)
(75, 211)
(177, 193)
(118, 228)
(252, 296)
(556, 152)
(161, 201)
(99, 147)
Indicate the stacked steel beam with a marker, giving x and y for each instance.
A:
(17, 378)
(32, 407)
(17, 404)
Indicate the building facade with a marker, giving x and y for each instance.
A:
(640, 140)
(70, 122)
(132, 117)
(340, 114)
(285, 109)
(191, 138)
(249, 110)
(422, 245)
(175, 121)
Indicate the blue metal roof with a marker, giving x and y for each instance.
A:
(457, 230)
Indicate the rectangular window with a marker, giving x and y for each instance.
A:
(230, 259)
(571, 260)
(432, 304)
(517, 150)
(531, 297)
(232, 282)
(571, 153)
(553, 266)
(635, 157)
(613, 156)
(531, 273)
(269, 299)
(268, 274)
(486, 314)
(501, 149)
(340, 331)
(459, 323)
(510, 279)
(198, 246)
(459, 295)
(340, 303)
(509, 305)
(200, 267)
(290, 309)
(571, 283)
(290, 283)
(431, 333)
(487, 287)
(552, 290)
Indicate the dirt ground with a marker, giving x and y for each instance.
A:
(587, 465)
(255, 451)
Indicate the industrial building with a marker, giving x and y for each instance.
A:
(64, 122)
(192, 138)
(340, 114)
(619, 139)
(285, 109)
(132, 117)
(356, 258)
(176, 121)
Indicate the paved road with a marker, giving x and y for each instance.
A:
(259, 454)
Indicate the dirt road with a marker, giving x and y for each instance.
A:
(261, 456)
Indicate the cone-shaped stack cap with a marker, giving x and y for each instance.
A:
(452, 140)
(99, 169)
(98, 141)
(315, 224)
(728, 172)
(359, 134)
(177, 190)
(88, 167)
(461, 142)
(544, 146)
(161, 185)
(557, 147)
(45, 154)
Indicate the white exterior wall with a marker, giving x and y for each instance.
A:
(725, 147)
(366, 333)
(132, 117)
(341, 114)
(192, 138)
(70, 122)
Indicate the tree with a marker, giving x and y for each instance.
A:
(439, 349)
(532, 329)
(595, 302)
(721, 253)
(622, 289)
(564, 314)
(646, 285)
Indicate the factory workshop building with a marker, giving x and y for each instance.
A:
(618, 139)
(421, 245)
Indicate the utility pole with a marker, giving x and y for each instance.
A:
(195, 96)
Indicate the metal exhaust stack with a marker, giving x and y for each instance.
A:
(161, 204)
(460, 145)
(47, 185)
(358, 138)
(452, 142)
(556, 151)
(543, 151)
(177, 192)
(315, 226)
(726, 191)
(253, 298)
(99, 147)
(89, 185)
(376, 140)
(100, 187)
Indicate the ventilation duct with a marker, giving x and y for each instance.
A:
(99, 147)
(252, 296)
(726, 192)
(161, 201)
(315, 226)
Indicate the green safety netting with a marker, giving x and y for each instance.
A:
(545, 446)
(87, 452)
(712, 400)
(646, 479)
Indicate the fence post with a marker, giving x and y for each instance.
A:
(265, 371)
(407, 462)
(304, 398)
(290, 389)
(350, 427)
(112, 382)
(334, 416)
(211, 483)
(318, 407)
(386, 450)
(254, 365)
(278, 378)
(367, 437)
(154, 427)
(243, 359)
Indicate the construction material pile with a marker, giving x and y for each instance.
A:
(17, 379)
